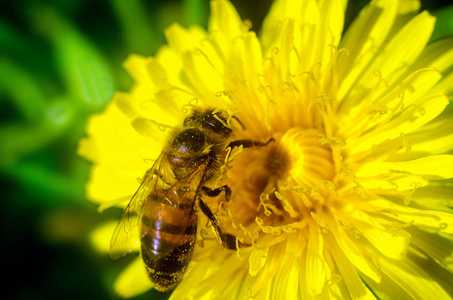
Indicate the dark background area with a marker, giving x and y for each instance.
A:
(45, 101)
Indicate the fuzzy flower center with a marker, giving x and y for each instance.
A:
(280, 186)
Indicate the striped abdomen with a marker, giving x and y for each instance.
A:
(168, 236)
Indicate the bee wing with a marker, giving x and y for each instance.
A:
(125, 238)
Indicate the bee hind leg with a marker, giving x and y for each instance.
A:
(225, 239)
(215, 192)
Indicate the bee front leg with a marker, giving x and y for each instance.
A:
(248, 143)
(225, 239)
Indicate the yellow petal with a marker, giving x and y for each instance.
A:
(194, 275)
(135, 65)
(108, 184)
(115, 173)
(406, 11)
(316, 267)
(413, 117)
(225, 20)
(429, 220)
(208, 278)
(444, 86)
(133, 280)
(170, 60)
(263, 284)
(127, 240)
(333, 14)
(254, 59)
(157, 73)
(437, 247)
(182, 40)
(408, 7)
(87, 149)
(431, 167)
(437, 55)
(413, 279)
(163, 108)
(390, 242)
(411, 89)
(354, 252)
(434, 195)
(257, 260)
(348, 272)
(387, 289)
(287, 59)
(436, 137)
(398, 55)
(363, 40)
(100, 237)
(286, 282)
(404, 48)
(334, 290)
(127, 104)
(303, 12)
(241, 287)
(330, 28)
(204, 77)
(396, 182)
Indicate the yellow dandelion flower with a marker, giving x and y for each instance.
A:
(353, 199)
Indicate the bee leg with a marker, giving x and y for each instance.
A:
(225, 239)
(215, 192)
(240, 123)
(248, 143)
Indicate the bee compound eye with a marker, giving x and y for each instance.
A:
(188, 141)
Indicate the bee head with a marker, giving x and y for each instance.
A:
(214, 121)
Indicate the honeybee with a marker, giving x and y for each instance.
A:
(167, 201)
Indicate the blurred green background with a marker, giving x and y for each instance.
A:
(61, 61)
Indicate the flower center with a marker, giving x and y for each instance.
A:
(311, 160)
(280, 185)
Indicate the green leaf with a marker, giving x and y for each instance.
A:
(95, 82)
(444, 23)
(45, 181)
(196, 12)
(22, 89)
(84, 69)
(20, 139)
(138, 33)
